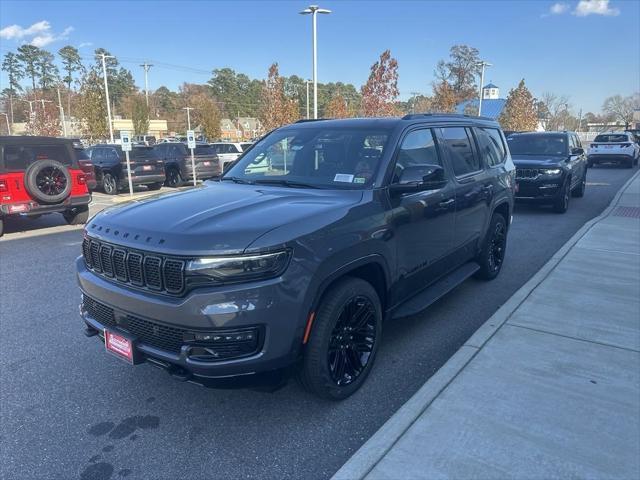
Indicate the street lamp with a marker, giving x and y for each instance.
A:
(188, 109)
(106, 91)
(482, 64)
(313, 10)
(8, 126)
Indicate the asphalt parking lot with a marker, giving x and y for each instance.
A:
(71, 411)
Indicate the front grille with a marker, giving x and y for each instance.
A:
(203, 346)
(526, 173)
(133, 267)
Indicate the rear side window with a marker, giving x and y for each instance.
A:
(233, 149)
(491, 146)
(204, 150)
(19, 157)
(458, 144)
(81, 154)
(141, 153)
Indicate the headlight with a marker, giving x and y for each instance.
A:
(241, 267)
(552, 172)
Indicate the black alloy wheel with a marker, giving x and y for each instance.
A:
(174, 178)
(352, 341)
(51, 181)
(497, 246)
(561, 205)
(344, 338)
(491, 257)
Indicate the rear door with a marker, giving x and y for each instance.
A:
(474, 188)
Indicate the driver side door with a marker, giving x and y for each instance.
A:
(423, 221)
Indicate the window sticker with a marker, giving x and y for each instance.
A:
(343, 177)
(359, 180)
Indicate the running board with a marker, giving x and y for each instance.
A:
(436, 291)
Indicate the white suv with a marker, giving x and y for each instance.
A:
(227, 152)
(617, 147)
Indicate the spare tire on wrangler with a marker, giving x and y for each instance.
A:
(48, 181)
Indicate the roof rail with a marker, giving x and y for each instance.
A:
(305, 120)
(413, 116)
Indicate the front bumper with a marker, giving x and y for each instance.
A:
(35, 208)
(542, 191)
(268, 306)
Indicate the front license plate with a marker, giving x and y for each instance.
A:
(206, 164)
(608, 146)
(147, 167)
(118, 345)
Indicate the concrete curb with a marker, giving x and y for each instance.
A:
(367, 457)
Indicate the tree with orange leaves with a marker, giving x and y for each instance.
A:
(380, 92)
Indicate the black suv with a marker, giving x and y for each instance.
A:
(177, 162)
(110, 166)
(550, 167)
(293, 264)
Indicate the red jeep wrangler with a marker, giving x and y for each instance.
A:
(41, 175)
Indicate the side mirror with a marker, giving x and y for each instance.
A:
(577, 151)
(419, 178)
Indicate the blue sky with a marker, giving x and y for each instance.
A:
(588, 50)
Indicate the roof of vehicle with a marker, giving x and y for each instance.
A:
(117, 145)
(32, 140)
(614, 133)
(392, 122)
(551, 132)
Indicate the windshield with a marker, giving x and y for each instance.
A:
(537, 145)
(142, 153)
(320, 157)
(611, 138)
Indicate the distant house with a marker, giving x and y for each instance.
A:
(229, 131)
(250, 127)
(492, 104)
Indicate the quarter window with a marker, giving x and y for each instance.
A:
(491, 148)
(458, 144)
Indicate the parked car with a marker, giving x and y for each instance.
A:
(147, 140)
(614, 147)
(550, 167)
(249, 278)
(227, 152)
(41, 175)
(111, 168)
(84, 162)
(177, 162)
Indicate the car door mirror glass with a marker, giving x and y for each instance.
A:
(577, 151)
(416, 178)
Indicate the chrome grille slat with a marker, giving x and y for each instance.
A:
(135, 268)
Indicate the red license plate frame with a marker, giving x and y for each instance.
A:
(120, 346)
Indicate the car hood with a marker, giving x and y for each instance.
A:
(217, 218)
(538, 161)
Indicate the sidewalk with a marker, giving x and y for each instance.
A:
(548, 387)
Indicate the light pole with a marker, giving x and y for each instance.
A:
(307, 82)
(146, 67)
(106, 92)
(482, 64)
(188, 109)
(30, 102)
(61, 108)
(313, 10)
(8, 126)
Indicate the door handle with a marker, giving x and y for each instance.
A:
(446, 203)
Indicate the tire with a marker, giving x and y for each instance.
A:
(155, 186)
(174, 179)
(48, 181)
(629, 164)
(578, 192)
(561, 204)
(77, 216)
(337, 375)
(1, 227)
(109, 184)
(590, 164)
(491, 257)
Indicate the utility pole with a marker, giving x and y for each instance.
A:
(106, 92)
(146, 67)
(61, 108)
(580, 120)
(43, 102)
(188, 109)
(415, 99)
(8, 126)
(482, 64)
(30, 102)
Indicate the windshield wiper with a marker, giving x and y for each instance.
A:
(286, 183)
(237, 180)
